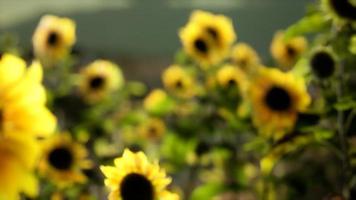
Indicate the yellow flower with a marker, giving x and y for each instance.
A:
(178, 81)
(53, 39)
(231, 76)
(245, 57)
(277, 98)
(22, 99)
(18, 158)
(207, 37)
(63, 160)
(341, 9)
(323, 63)
(287, 52)
(152, 129)
(157, 102)
(134, 177)
(99, 79)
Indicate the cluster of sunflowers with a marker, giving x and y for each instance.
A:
(224, 126)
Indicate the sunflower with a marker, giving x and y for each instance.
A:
(152, 129)
(341, 9)
(99, 79)
(134, 177)
(53, 39)
(157, 102)
(323, 63)
(63, 160)
(22, 99)
(276, 98)
(244, 56)
(178, 81)
(230, 76)
(18, 158)
(286, 52)
(207, 37)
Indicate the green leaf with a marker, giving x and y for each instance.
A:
(345, 104)
(309, 24)
(207, 191)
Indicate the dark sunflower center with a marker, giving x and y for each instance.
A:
(323, 64)
(96, 82)
(344, 8)
(291, 51)
(61, 158)
(53, 39)
(152, 131)
(179, 84)
(201, 46)
(213, 33)
(136, 187)
(278, 99)
(231, 82)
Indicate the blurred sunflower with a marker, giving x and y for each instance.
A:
(277, 98)
(323, 63)
(157, 102)
(208, 37)
(152, 129)
(341, 9)
(23, 98)
(134, 177)
(64, 160)
(178, 81)
(99, 79)
(245, 57)
(231, 76)
(18, 158)
(53, 39)
(286, 52)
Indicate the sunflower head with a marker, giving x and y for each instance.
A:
(344, 10)
(244, 56)
(99, 79)
(64, 160)
(207, 37)
(157, 102)
(134, 177)
(18, 158)
(323, 63)
(286, 52)
(152, 129)
(277, 98)
(53, 39)
(23, 98)
(178, 81)
(230, 76)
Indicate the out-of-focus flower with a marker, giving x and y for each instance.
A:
(207, 37)
(152, 129)
(179, 82)
(341, 9)
(157, 102)
(245, 57)
(230, 76)
(23, 99)
(18, 158)
(99, 79)
(277, 98)
(323, 63)
(53, 39)
(286, 52)
(64, 160)
(134, 177)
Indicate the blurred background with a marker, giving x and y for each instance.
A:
(141, 35)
